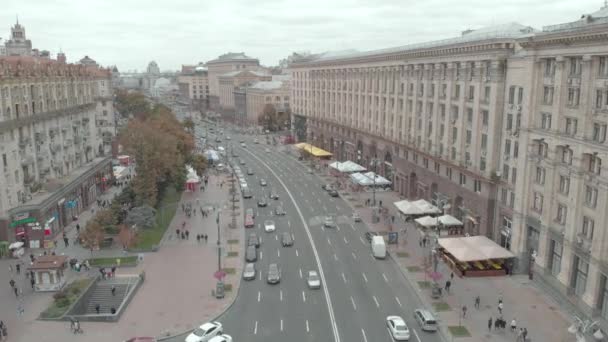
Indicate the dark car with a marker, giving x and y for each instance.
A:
(253, 240)
(327, 187)
(247, 193)
(251, 254)
(279, 211)
(274, 274)
(250, 172)
(286, 239)
(370, 235)
(262, 202)
(333, 193)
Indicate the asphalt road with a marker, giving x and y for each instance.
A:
(361, 290)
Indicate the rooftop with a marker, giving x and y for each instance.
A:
(267, 85)
(46, 262)
(586, 20)
(232, 56)
(235, 73)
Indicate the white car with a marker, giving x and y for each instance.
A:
(243, 145)
(221, 338)
(269, 226)
(205, 332)
(267, 150)
(398, 328)
(313, 280)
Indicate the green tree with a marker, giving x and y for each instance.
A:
(189, 125)
(198, 163)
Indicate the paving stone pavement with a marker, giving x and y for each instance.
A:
(175, 296)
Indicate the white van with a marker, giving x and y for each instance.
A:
(378, 247)
(426, 320)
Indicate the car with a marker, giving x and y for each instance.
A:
(274, 196)
(262, 202)
(398, 328)
(263, 182)
(286, 239)
(253, 240)
(243, 145)
(274, 274)
(228, 137)
(247, 193)
(255, 141)
(221, 338)
(370, 235)
(279, 211)
(333, 193)
(356, 217)
(313, 280)
(329, 222)
(269, 226)
(267, 150)
(218, 140)
(251, 254)
(205, 332)
(249, 172)
(242, 162)
(241, 141)
(327, 187)
(249, 223)
(249, 271)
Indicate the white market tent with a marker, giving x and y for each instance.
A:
(212, 155)
(427, 221)
(445, 221)
(192, 177)
(426, 207)
(379, 179)
(347, 167)
(406, 207)
(474, 248)
(449, 220)
(119, 172)
(361, 179)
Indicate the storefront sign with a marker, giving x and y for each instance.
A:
(22, 221)
(21, 216)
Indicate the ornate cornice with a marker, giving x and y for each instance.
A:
(579, 36)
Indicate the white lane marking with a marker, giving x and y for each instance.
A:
(328, 302)
(354, 256)
(345, 241)
(328, 241)
(255, 329)
(260, 275)
(289, 223)
(343, 277)
(353, 227)
(335, 257)
(319, 200)
(398, 301)
(276, 237)
(416, 334)
(279, 253)
(324, 207)
(307, 326)
(364, 277)
(281, 324)
(385, 278)
(300, 273)
(281, 295)
(364, 337)
(338, 227)
(304, 296)
(352, 300)
(360, 238)
(259, 296)
(297, 253)
(261, 240)
(260, 255)
(376, 301)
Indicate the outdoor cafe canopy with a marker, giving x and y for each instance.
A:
(347, 166)
(474, 248)
(419, 207)
(315, 151)
(379, 179)
(445, 220)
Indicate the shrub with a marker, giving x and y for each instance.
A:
(63, 302)
(59, 296)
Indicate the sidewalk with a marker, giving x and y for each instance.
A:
(176, 295)
(522, 300)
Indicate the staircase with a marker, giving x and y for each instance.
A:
(102, 295)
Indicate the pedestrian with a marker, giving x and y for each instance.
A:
(447, 286)
(520, 334)
(33, 282)
(464, 311)
(524, 334)
(393, 218)
(113, 290)
(188, 234)
(477, 302)
(77, 228)
(420, 242)
(103, 273)
(490, 324)
(113, 271)
(380, 202)
(97, 308)
(183, 236)
(452, 276)
(12, 283)
(497, 324)
(500, 307)
(177, 233)
(18, 268)
(10, 268)
(20, 308)
(113, 311)
(513, 325)
(16, 290)
(198, 238)
(66, 242)
(183, 208)
(206, 237)
(183, 224)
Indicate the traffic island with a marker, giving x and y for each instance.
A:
(403, 254)
(459, 331)
(424, 284)
(413, 269)
(129, 261)
(441, 306)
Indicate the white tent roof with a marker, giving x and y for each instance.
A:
(361, 179)
(192, 177)
(426, 207)
(474, 248)
(379, 179)
(212, 155)
(407, 208)
(347, 166)
(427, 221)
(449, 220)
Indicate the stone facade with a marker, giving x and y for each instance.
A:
(224, 64)
(505, 127)
(231, 80)
(18, 45)
(262, 93)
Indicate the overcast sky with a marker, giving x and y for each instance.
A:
(130, 33)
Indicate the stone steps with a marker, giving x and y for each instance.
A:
(102, 295)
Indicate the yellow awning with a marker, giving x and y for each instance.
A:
(315, 151)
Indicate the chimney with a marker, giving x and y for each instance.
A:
(61, 58)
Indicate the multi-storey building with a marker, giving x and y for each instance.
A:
(234, 79)
(56, 125)
(193, 84)
(262, 93)
(18, 45)
(504, 128)
(224, 64)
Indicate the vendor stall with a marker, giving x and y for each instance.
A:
(475, 256)
(193, 181)
(16, 249)
(49, 272)
(346, 167)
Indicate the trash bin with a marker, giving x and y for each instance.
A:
(219, 290)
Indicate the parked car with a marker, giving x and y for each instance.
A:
(263, 182)
(274, 274)
(253, 240)
(249, 222)
(398, 328)
(262, 202)
(221, 338)
(249, 272)
(251, 254)
(279, 211)
(356, 217)
(249, 212)
(333, 192)
(329, 222)
(274, 196)
(247, 193)
(243, 145)
(327, 187)
(269, 226)
(242, 162)
(426, 320)
(267, 150)
(249, 172)
(205, 332)
(313, 280)
(286, 239)
(255, 141)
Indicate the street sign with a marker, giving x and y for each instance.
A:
(393, 238)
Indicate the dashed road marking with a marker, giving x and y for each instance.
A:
(324, 207)
(260, 255)
(276, 237)
(307, 326)
(328, 241)
(297, 253)
(304, 296)
(385, 278)
(289, 223)
(345, 241)
(343, 277)
(364, 277)
(335, 257)
(281, 295)
(259, 296)
(360, 238)
(279, 253)
(354, 255)
(398, 301)
(364, 337)
(255, 329)
(353, 227)
(281, 324)
(352, 300)
(300, 273)
(376, 301)
(416, 334)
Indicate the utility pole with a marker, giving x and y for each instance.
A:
(219, 250)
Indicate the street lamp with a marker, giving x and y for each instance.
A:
(219, 250)
(374, 163)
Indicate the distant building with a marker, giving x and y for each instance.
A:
(193, 85)
(259, 94)
(231, 80)
(226, 63)
(18, 45)
(88, 61)
(153, 68)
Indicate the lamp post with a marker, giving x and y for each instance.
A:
(219, 250)
(374, 163)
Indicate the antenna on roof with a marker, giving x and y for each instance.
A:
(17, 15)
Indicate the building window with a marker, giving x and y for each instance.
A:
(588, 228)
(603, 300)
(575, 65)
(595, 164)
(503, 195)
(469, 137)
(540, 175)
(537, 204)
(454, 134)
(457, 91)
(548, 95)
(545, 121)
(477, 185)
(562, 214)
(571, 126)
(463, 179)
(484, 141)
(512, 95)
(425, 162)
(520, 95)
(515, 149)
(514, 175)
(507, 147)
(564, 184)
(603, 67)
(543, 149)
(599, 132)
(566, 155)
(505, 172)
(512, 200)
(590, 196)
(549, 67)
(482, 163)
(485, 116)
(471, 93)
(574, 96)
(580, 276)
(437, 167)
(556, 257)
(486, 94)
(448, 172)
(470, 115)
